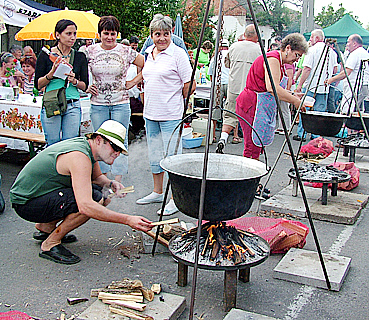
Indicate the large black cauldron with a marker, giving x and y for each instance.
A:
(322, 123)
(230, 187)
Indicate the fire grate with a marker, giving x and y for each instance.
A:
(351, 142)
(312, 172)
(221, 247)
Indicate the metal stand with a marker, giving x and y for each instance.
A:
(290, 148)
(230, 283)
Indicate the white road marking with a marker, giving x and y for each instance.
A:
(306, 292)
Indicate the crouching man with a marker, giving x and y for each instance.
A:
(60, 189)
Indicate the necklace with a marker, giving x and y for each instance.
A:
(64, 56)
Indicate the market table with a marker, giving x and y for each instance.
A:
(24, 115)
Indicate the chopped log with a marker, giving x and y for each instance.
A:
(164, 222)
(277, 239)
(244, 244)
(95, 292)
(128, 304)
(170, 231)
(126, 283)
(214, 251)
(161, 240)
(126, 297)
(288, 242)
(147, 293)
(205, 245)
(249, 234)
(129, 313)
(298, 229)
(156, 288)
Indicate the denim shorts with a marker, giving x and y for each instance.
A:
(158, 135)
(52, 206)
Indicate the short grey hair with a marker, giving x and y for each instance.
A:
(319, 33)
(15, 47)
(160, 22)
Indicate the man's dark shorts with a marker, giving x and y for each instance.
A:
(53, 206)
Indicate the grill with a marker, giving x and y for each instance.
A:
(311, 172)
(351, 142)
(221, 247)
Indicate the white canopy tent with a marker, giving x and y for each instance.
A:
(19, 13)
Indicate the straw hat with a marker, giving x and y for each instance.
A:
(114, 132)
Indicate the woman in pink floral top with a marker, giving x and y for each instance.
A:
(108, 64)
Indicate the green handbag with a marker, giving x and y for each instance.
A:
(55, 101)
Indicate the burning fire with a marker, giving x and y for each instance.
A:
(220, 242)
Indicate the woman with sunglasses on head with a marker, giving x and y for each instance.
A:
(257, 104)
(67, 124)
(9, 76)
(108, 63)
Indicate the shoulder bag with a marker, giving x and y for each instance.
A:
(55, 101)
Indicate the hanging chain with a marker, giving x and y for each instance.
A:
(219, 69)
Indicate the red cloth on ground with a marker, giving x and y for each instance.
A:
(317, 146)
(268, 228)
(14, 315)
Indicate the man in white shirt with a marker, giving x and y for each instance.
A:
(358, 74)
(324, 66)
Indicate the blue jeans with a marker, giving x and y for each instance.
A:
(158, 134)
(319, 105)
(122, 114)
(66, 125)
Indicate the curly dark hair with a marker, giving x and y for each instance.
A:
(296, 41)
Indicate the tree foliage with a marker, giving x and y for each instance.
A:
(275, 14)
(133, 15)
(192, 24)
(329, 15)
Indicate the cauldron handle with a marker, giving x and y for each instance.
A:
(238, 116)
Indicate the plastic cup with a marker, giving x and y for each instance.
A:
(309, 101)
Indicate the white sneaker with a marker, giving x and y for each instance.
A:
(153, 197)
(170, 208)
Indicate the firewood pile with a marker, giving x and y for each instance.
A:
(127, 297)
(220, 245)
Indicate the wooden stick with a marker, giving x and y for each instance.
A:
(121, 191)
(161, 240)
(125, 297)
(128, 304)
(170, 221)
(130, 314)
(147, 293)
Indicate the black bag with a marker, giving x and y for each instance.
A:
(55, 101)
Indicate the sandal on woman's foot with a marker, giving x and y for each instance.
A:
(236, 140)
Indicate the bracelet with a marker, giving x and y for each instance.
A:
(47, 78)
(76, 83)
(111, 183)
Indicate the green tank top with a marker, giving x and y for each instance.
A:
(40, 177)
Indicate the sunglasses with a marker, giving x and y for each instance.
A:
(114, 146)
(298, 55)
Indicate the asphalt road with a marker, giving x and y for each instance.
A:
(40, 287)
